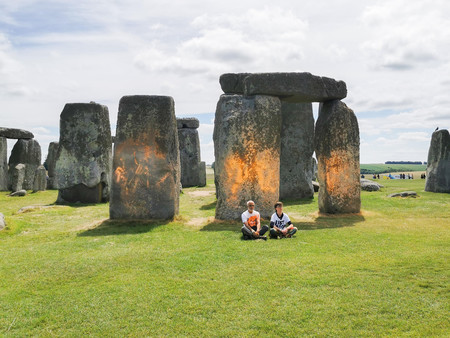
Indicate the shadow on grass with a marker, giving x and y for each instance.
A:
(323, 221)
(123, 227)
(209, 206)
(327, 221)
(303, 201)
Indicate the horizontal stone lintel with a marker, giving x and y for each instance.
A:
(13, 133)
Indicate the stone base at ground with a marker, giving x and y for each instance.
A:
(19, 193)
(81, 193)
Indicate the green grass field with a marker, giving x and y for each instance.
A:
(379, 168)
(68, 271)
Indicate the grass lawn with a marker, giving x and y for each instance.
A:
(68, 271)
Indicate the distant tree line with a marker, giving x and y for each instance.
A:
(404, 162)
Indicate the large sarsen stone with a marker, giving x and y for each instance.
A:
(337, 151)
(438, 165)
(51, 164)
(84, 154)
(295, 87)
(27, 152)
(146, 166)
(297, 147)
(3, 164)
(247, 154)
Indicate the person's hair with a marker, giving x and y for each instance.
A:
(278, 204)
(250, 202)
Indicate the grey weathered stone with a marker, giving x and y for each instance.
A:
(233, 83)
(368, 185)
(15, 133)
(19, 193)
(404, 194)
(146, 176)
(27, 152)
(438, 164)
(188, 122)
(3, 164)
(40, 179)
(295, 87)
(297, 147)
(84, 154)
(201, 174)
(17, 175)
(2, 221)
(51, 164)
(189, 144)
(247, 154)
(337, 152)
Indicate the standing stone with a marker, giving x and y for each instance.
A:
(438, 164)
(202, 174)
(17, 175)
(27, 152)
(247, 154)
(189, 151)
(83, 160)
(337, 151)
(3, 164)
(51, 164)
(40, 179)
(297, 147)
(146, 166)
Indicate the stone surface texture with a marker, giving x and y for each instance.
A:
(438, 164)
(19, 193)
(51, 164)
(297, 147)
(188, 122)
(233, 83)
(13, 133)
(247, 154)
(146, 166)
(17, 175)
(84, 154)
(337, 151)
(27, 152)
(189, 143)
(3, 164)
(368, 185)
(295, 87)
(40, 179)
(202, 174)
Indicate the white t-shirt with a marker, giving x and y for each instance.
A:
(280, 222)
(252, 218)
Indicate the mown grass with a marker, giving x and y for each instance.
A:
(69, 271)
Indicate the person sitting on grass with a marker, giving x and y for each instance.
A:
(252, 228)
(281, 225)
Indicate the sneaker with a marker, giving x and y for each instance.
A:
(291, 233)
(263, 238)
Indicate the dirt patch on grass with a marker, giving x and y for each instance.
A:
(200, 193)
(199, 221)
(90, 225)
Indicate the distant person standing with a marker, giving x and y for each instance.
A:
(252, 223)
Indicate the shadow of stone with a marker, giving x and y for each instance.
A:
(329, 221)
(218, 225)
(123, 227)
(303, 201)
(209, 206)
(323, 221)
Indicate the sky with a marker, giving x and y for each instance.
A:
(393, 56)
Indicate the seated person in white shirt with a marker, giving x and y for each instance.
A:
(280, 224)
(251, 219)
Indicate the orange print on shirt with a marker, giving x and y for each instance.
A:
(253, 221)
